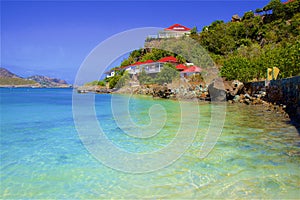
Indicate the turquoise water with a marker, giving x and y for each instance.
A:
(257, 155)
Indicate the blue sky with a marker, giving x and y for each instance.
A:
(53, 38)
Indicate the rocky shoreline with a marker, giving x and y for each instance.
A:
(234, 92)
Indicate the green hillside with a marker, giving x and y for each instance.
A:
(268, 37)
(244, 48)
(15, 81)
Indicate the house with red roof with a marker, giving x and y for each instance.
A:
(149, 66)
(153, 67)
(174, 31)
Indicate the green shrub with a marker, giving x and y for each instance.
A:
(166, 75)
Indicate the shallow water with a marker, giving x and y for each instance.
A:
(256, 156)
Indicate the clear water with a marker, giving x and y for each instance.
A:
(257, 155)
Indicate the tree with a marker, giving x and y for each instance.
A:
(248, 15)
(180, 59)
(166, 75)
(277, 8)
(238, 68)
(123, 80)
(144, 78)
(258, 10)
(194, 30)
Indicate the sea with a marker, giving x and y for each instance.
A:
(47, 151)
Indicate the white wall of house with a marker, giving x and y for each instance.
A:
(150, 68)
(112, 73)
(170, 34)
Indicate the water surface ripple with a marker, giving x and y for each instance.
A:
(257, 155)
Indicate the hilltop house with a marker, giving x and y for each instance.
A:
(174, 31)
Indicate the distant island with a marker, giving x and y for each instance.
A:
(9, 79)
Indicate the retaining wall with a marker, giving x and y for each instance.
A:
(284, 91)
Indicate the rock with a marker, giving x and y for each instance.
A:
(236, 98)
(235, 18)
(247, 96)
(233, 88)
(247, 101)
(216, 90)
(162, 92)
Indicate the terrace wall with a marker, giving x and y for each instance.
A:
(284, 91)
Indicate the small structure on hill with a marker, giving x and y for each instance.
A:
(192, 70)
(174, 31)
(110, 73)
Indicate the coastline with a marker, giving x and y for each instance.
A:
(33, 86)
(280, 96)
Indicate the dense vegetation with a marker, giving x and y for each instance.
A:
(242, 49)
(268, 38)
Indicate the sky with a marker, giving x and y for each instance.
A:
(53, 38)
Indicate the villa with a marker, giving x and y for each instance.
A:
(153, 67)
(174, 31)
(149, 66)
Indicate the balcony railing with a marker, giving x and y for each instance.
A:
(148, 71)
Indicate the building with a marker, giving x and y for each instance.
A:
(149, 66)
(174, 31)
(153, 67)
(192, 70)
(110, 73)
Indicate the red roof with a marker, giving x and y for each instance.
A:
(136, 63)
(148, 61)
(168, 59)
(177, 27)
(289, 1)
(141, 63)
(123, 67)
(192, 69)
(181, 67)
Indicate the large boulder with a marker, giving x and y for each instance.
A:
(216, 90)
